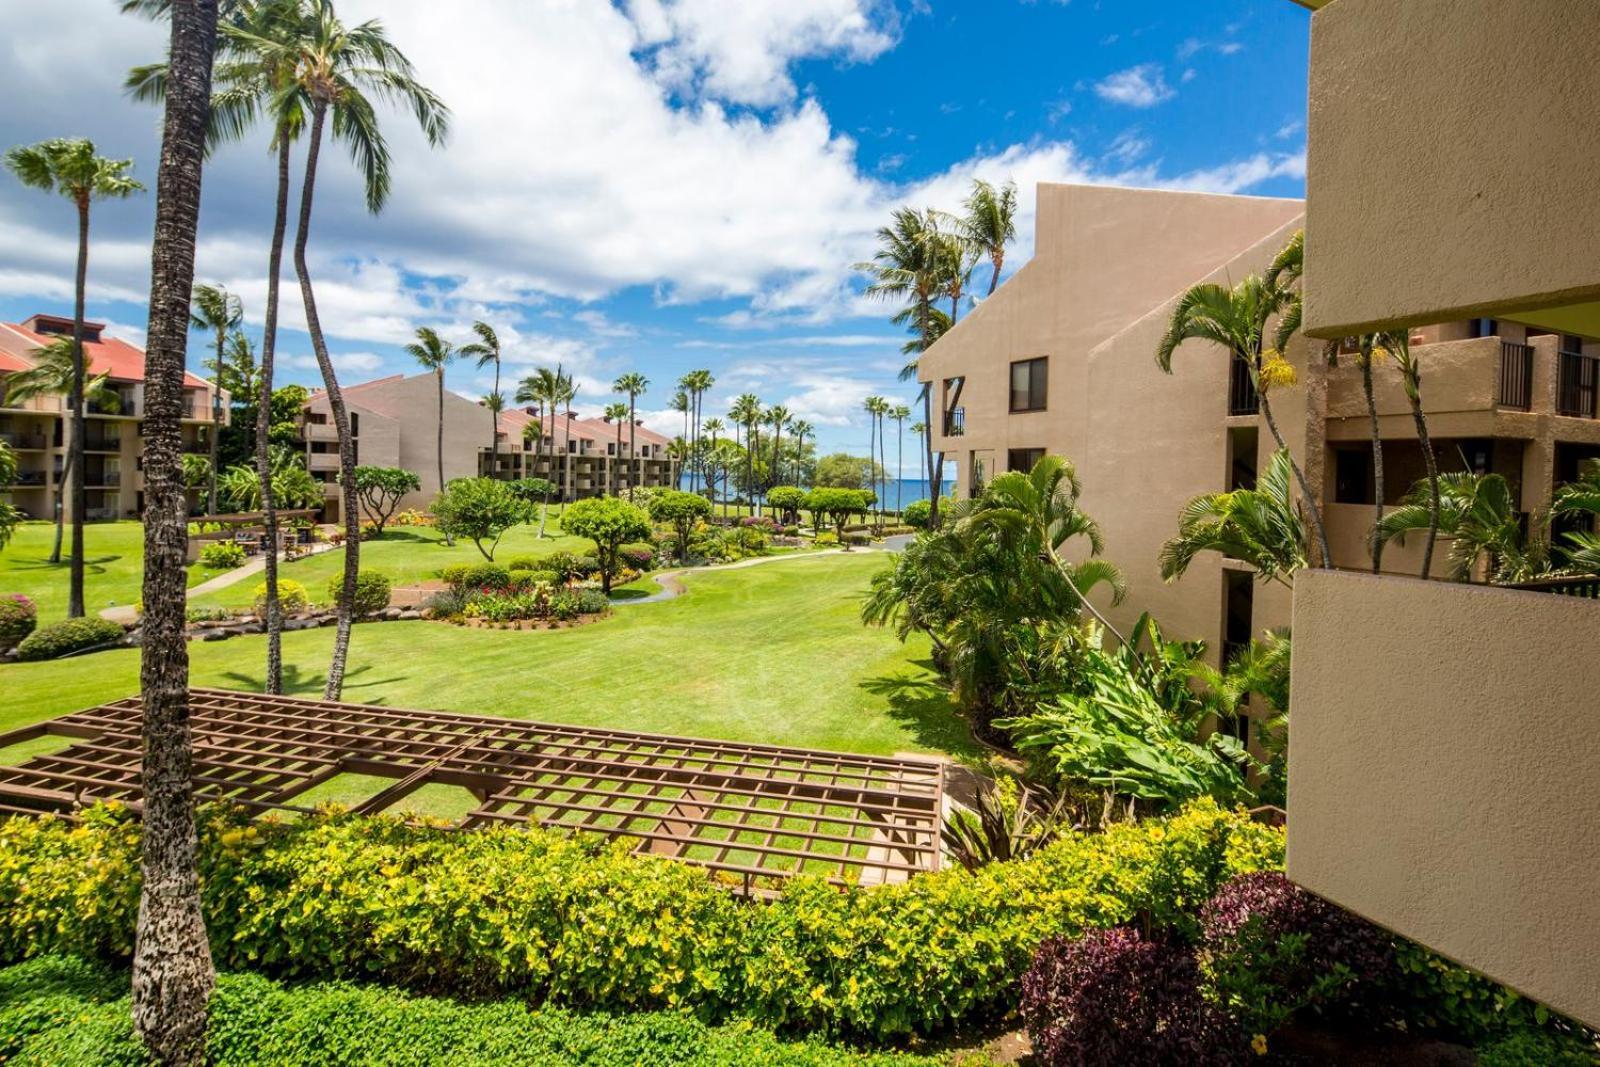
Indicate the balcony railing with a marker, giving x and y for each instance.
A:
(1580, 586)
(35, 442)
(1577, 385)
(30, 478)
(102, 443)
(105, 479)
(1516, 376)
(1242, 399)
(955, 422)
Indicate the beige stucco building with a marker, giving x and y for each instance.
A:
(394, 422)
(36, 429)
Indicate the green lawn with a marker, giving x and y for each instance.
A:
(407, 554)
(773, 653)
(114, 565)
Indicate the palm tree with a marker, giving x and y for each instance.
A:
(616, 413)
(990, 223)
(550, 390)
(1236, 320)
(1398, 346)
(486, 350)
(919, 430)
(714, 426)
(1479, 513)
(52, 374)
(433, 354)
(801, 430)
(172, 971)
(746, 412)
(337, 69)
(777, 417)
(1260, 526)
(694, 386)
(634, 384)
(214, 308)
(69, 166)
(908, 266)
(1581, 499)
(681, 403)
(876, 407)
(566, 392)
(899, 413)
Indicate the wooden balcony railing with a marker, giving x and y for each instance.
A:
(1242, 399)
(1577, 385)
(1516, 376)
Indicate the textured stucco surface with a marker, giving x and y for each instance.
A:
(1444, 776)
(1451, 161)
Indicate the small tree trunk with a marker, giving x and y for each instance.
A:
(349, 505)
(78, 481)
(61, 498)
(172, 971)
(216, 420)
(269, 342)
(1312, 510)
(1433, 478)
(1377, 462)
(439, 450)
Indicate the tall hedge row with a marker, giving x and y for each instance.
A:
(579, 923)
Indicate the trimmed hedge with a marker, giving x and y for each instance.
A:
(64, 638)
(59, 1010)
(19, 616)
(579, 923)
(372, 591)
(292, 598)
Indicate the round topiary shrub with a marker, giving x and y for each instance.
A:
(64, 638)
(18, 618)
(222, 555)
(1111, 997)
(292, 598)
(372, 591)
(639, 556)
(1270, 949)
(477, 576)
(916, 514)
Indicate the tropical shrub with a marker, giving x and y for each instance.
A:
(446, 604)
(222, 555)
(508, 606)
(63, 1010)
(372, 591)
(1113, 997)
(681, 511)
(526, 563)
(640, 555)
(476, 576)
(563, 605)
(1269, 950)
(577, 922)
(64, 638)
(764, 523)
(1008, 823)
(730, 544)
(609, 523)
(412, 517)
(592, 602)
(788, 500)
(836, 505)
(570, 566)
(19, 615)
(917, 514)
(381, 489)
(207, 614)
(643, 495)
(481, 509)
(292, 598)
(826, 539)
(292, 485)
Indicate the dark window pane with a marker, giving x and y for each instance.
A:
(1029, 380)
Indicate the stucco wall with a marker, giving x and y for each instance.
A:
(1443, 772)
(1451, 156)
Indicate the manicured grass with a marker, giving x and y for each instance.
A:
(113, 567)
(407, 554)
(774, 653)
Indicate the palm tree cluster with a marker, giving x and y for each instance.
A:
(926, 257)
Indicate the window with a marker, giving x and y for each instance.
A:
(1023, 459)
(1483, 327)
(1353, 476)
(1028, 384)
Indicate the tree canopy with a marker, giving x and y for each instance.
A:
(481, 509)
(682, 510)
(844, 471)
(610, 523)
(381, 489)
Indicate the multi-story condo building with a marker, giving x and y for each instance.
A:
(394, 422)
(1445, 746)
(36, 429)
(1061, 359)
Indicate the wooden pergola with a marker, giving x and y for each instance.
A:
(752, 812)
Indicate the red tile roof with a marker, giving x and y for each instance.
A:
(106, 355)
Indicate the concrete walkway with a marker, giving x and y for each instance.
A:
(125, 613)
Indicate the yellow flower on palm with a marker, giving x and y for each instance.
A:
(1275, 371)
(1258, 1044)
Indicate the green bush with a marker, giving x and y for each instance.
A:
(476, 576)
(222, 555)
(917, 513)
(528, 563)
(1536, 1048)
(64, 638)
(61, 1010)
(640, 555)
(18, 618)
(826, 539)
(592, 602)
(582, 923)
(372, 591)
(292, 598)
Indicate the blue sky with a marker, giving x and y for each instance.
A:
(665, 185)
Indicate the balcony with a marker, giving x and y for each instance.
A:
(1577, 385)
(1242, 398)
(322, 461)
(26, 442)
(101, 442)
(320, 431)
(104, 480)
(1516, 376)
(30, 479)
(955, 422)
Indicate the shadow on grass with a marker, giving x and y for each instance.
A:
(91, 564)
(302, 683)
(406, 533)
(923, 706)
(621, 593)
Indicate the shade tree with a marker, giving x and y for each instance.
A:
(610, 523)
(481, 509)
(381, 489)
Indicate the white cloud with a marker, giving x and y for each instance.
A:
(602, 326)
(1128, 147)
(346, 363)
(1141, 86)
(1289, 129)
(1240, 174)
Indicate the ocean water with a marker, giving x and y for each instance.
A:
(908, 489)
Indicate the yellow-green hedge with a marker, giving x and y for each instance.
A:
(584, 924)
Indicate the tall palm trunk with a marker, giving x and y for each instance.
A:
(216, 420)
(899, 465)
(172, 970)
(1312, 510)
(67, 466)
(75, 471)
(777, 454)
(616, 464)
(494, 426)
(349, 507)
(755, 437)
(633, 445)
(936, 470)
(1433, 477)
(1377, 462)
(269, 345)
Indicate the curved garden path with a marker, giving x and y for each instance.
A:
(126, 613)
(671, 582)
